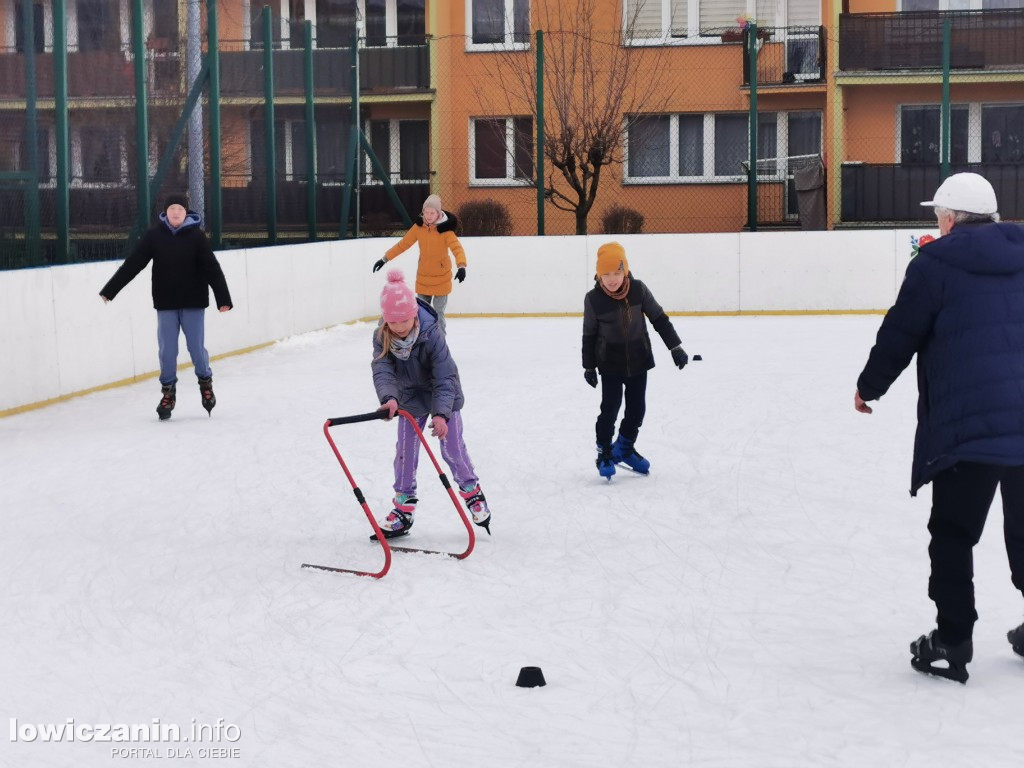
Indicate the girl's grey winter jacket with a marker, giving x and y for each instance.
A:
(428, 382)
(616, 342)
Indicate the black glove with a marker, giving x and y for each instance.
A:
(378, 264)
(460, 274)
(679, 357)
(590, 376)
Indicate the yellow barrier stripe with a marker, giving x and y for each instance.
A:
(375, 318)
(121, 383)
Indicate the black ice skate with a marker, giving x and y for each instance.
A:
(206, 391)
(168, 396)
(934, 657)
(1016, 638)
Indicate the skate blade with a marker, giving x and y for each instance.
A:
(391, 534)
(953, 672)
(634, 471)
(485, 524)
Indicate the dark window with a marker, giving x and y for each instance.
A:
(98, 25)
(259, 149)
(523, 134)
(1002, 134)
(414, 149)
(101, 154)
(165, 20)
(920, 131)
(380, 140)
(691, 145)
(37, 27)
(335, 23)
(767, 136)
(412, 24)
(804, 133)
(649, 146)
(489, 137)
(297, 23)
(376, 22)
(731, 144)
(489, 17)
(256, 23)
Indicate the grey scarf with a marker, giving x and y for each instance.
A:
(402, 348)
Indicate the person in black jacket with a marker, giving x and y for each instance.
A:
(615, 342)
(184, 269)
(961, 311)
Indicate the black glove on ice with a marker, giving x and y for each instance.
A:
(378, 264)
(679, 357)
(590, 376)
(460, 274)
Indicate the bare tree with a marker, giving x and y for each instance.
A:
(595, 81)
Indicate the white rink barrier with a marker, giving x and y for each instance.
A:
(59, 338)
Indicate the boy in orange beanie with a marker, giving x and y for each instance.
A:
(616, 344)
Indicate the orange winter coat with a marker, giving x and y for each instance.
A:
(434, 273)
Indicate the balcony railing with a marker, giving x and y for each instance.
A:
(788, 56)
(381, 70)
(893, 193)
(913, 40)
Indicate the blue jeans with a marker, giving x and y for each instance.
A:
(168, 324)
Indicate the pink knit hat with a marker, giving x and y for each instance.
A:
(397, 301)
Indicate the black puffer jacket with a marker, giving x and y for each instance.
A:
(184, 267)
(615, 344)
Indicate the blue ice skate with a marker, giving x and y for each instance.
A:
(605, 462)
(624, 453)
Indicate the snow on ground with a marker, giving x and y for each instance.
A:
(748, 604)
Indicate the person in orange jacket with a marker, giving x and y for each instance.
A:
(434, 230)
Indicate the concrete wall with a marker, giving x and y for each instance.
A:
(57, 337)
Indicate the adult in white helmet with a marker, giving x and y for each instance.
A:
(961, 311)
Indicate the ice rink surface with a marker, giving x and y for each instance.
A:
(749, 603)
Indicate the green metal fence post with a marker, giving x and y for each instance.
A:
(32, 233)
(351, 160)
(141, 117)
(60, 97)
(268, 84)
(540, 132)
(947, 36)
(752, 171)
(216, 202)
(310, 135)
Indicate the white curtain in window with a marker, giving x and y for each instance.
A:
(720, 14)
(680, 17)
(643, 18)
(767, 13)
(803, 13)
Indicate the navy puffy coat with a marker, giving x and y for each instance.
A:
(961, 310)
(428, 382)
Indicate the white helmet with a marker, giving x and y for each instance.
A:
(966, 192)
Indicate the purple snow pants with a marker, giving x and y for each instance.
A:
(453, 451)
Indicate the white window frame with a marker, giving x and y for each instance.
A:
(509, 44)
(77, 182)
(974, 135)
(124, 26)
(394, 153)
(975, 5)
(709, 177)
(10, 36)
(693, 36)
(510, 156)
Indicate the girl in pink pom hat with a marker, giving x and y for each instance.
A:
(413, 370)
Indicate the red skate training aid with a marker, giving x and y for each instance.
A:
(375, 416)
